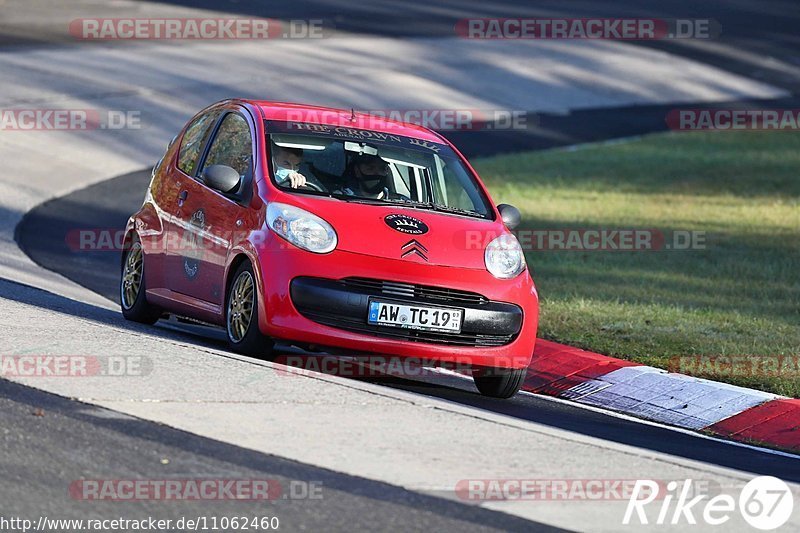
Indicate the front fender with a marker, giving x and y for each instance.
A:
(249, 250)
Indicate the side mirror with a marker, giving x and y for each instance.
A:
(510, 215)
(222, 178)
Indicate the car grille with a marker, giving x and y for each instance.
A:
(417, 292)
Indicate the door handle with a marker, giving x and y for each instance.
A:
(182, 198)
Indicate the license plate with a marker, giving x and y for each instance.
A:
(419, 317)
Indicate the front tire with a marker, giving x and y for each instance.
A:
(499, 382)
(132, 298)
(241, 315)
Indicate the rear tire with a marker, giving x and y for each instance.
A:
(132, 291)
(241, 315)
(499, 382)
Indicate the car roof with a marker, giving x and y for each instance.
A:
(330, 116)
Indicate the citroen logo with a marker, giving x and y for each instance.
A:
(413, 247)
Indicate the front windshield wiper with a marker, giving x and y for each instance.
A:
(458, 211)
(436, 207)
(356, 199)
(407, 203)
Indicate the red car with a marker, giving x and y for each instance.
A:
(326, 228)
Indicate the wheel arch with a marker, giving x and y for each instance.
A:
(130, 235)
(234, 265)
(239, 256)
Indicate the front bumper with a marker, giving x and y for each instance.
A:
(344, 304)
(310, 299)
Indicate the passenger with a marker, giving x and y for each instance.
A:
(367, 176)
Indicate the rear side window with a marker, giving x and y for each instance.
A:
(232, 145)
(193, 141)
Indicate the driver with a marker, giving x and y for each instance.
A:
(287, 163)
(367, 176)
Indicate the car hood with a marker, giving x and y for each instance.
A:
(414, 235)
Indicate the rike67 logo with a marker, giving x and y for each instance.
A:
(765, 503)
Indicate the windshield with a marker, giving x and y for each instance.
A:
(372, 167)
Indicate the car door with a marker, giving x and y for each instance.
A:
(209, 219)
(180, 181)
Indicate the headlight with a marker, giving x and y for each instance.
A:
(504, 257)
(301, 228)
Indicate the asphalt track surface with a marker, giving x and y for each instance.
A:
(50, 442)
(756, 40)
(107, 205)
(752, 32)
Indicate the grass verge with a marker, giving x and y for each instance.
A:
(728, 310)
